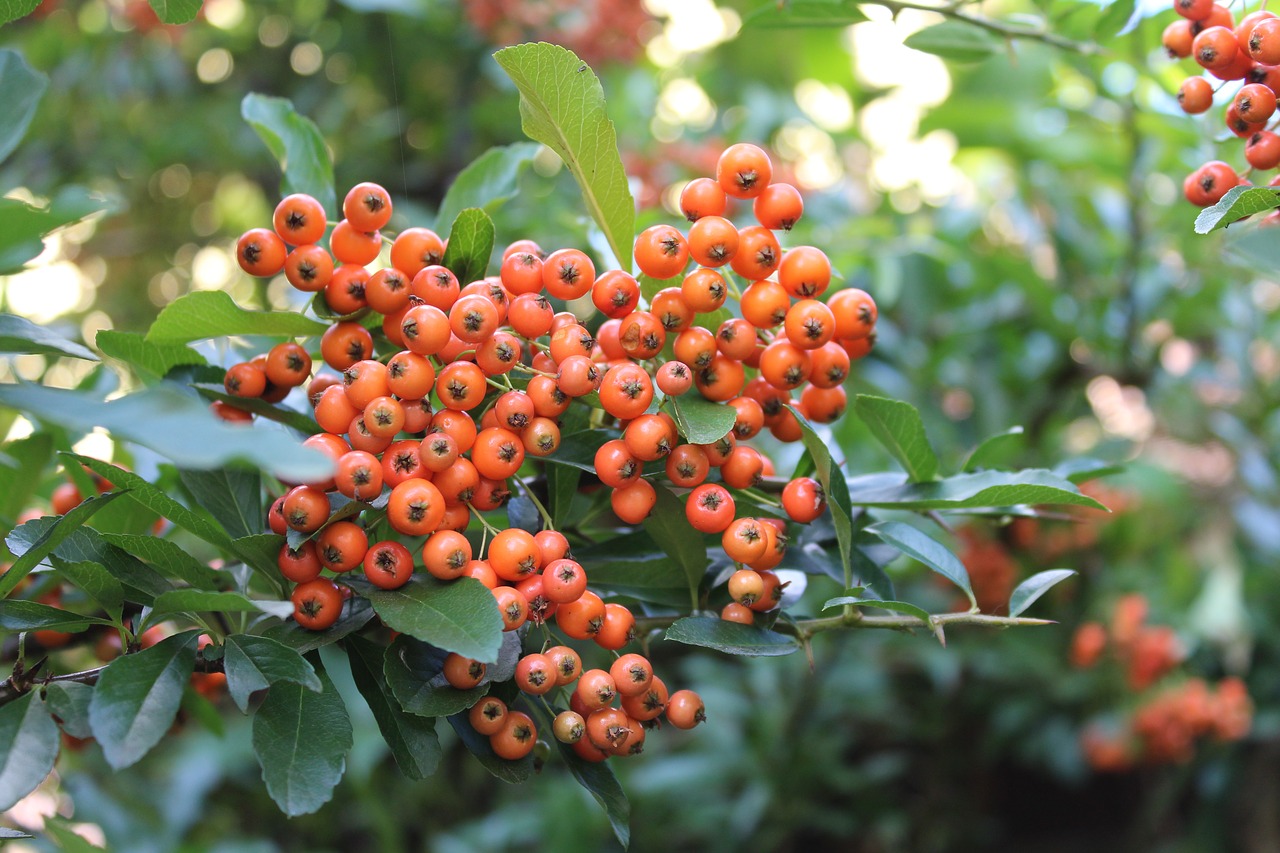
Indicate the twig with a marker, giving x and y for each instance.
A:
(1002, 28)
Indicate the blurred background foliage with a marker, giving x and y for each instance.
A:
(1019, 221)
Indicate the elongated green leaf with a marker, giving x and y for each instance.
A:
(86, 545)
(488, 182)
(21, 86)
(412, 738)
(414, 672)
(562, 485)
(668, 526)
(775, 14)
(137, 698)
(170, 559)
(68, 701)
(65, 839)
(301, 738)
(174, 425)
(459, 616)
(53, 531)
(477, 744)
(700, 421)
(28, 747)
(305, 424)
(18, 334)
(95, 581)
(470, 245)
(1082, 470)
(176, 11)
(20, 615)
(597, 777)
(1026, 593)
(1032, 486)
(899, 428)
(255, 663)
(204, 314)
(150, 358)
(832, 480)
(562, 106)
(355, 615)
(896, 606)
(12, 10)
(955, 41)
(232, 496)
(20, 472)
(636, 566)
(992, 451)
(23, 226)
(730, 637)
(916, 544)
(1238, 203)
(297, 144)
(200, 601)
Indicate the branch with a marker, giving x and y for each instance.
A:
(1002, 28)
(804, 628)
(16, 685)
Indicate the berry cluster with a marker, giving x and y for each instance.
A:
(1248, 52)
(1164, 726)
(474, 386)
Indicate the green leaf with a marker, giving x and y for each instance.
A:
(488, 182)
(20, 615)
(255, 663)
(470, 245)
(458, 616)
(86, 545)
(916, 544)
(17, 334)
(562, 106)
(636, 566)
(12, 10)
(150, 358)
(597, 777)
(1116, 18)
(233, 496)
(176, 11)
(955, 41)
(414, 671)
(96, 582)
(776, 14)
(292, 418)
(23, 226)
(195, 521)
(477, 744)
(412, 738)
(173, 424)
(67, 840)
(169, 558)
(1026, 593)
(297, 144)
(899, 428)
(5, 832)
(1238, 203)
(668, 526)
(137, 698)
(1083, 469)
(896, 606)
(202, 601)
(700, 421)
(68, 701)
(562, 486)
(20, 472)
(28, 747)
(1000, 446)
(730, 637)
(21, 86)
(204, 314)
(833, 485)
(301, 738)
(355, 615)
(55, 530)
(1032, 486)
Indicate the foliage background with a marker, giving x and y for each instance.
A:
(1019, 221)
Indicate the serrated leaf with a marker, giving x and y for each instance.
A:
(95, 581)
(28, 747)
(1026, 593)
(411, 738)
(1032, 486)
(86, 545)
(255, 663)
(204, 314)
(169, 558)
(21, 86)
(176, 11)
(776, 14)
(23, 226)
(12, 10)
(53, 531)
(174, 425)
(995, 448)
(232, 496)
(148, 357)
(668, 526)
(700, 421)
(918, 545)
(355, 615)
(297, 144)
(68, 701)
(20, 335)
(20, 473)
(1238, 203)
(897, 425)
(458, 616)
(301, 738)
(137, 698)
(470, 245)
(955, 41)
(730, 637)
(201, 601)
(488, 181)
(477, 744)
(562, 106)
